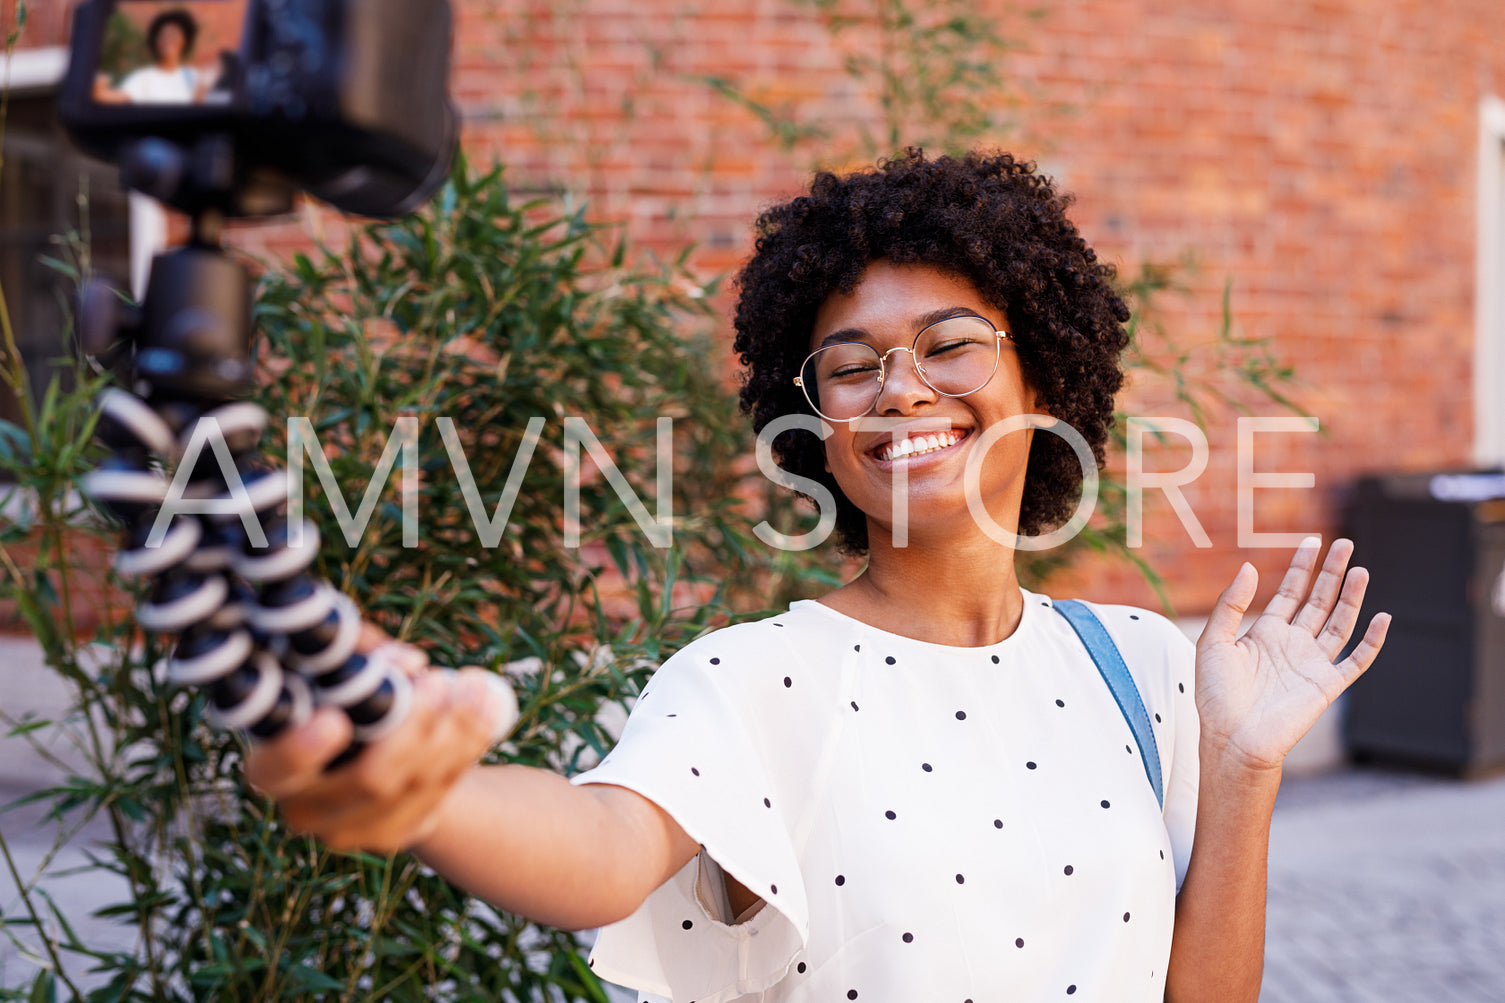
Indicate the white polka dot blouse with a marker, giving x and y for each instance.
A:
(922, 822)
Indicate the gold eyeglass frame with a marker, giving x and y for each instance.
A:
(1002, 336)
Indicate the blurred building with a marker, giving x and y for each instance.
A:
(1339, 167)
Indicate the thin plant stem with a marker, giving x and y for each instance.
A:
(17, 378)
(36, 920)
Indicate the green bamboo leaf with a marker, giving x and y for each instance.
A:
(43, 989)
(26, 727)
(65, 268)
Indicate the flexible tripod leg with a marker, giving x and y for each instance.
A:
(270, 640)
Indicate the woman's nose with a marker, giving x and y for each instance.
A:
(902, 386)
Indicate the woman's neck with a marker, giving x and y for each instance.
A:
(964, 593)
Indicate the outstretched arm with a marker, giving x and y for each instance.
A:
(107, 93)
(523, 839)
(567, 856)
(1256, 696)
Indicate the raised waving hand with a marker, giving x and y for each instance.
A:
(1259, 693)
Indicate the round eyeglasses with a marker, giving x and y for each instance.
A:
(955, 357)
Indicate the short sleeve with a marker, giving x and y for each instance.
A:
(690, 746)
(1184, 755)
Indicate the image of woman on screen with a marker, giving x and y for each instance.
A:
(168, 79)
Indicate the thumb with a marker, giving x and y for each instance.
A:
(1228, 613)
(487, 697)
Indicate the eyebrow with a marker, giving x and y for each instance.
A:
(921, 322)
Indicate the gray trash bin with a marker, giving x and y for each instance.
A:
(1435, 546)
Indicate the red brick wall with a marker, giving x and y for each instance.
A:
(46, 22)
(219, 23)
(1322, 156)
(1319, 156)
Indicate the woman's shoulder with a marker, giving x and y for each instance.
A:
(761, 673)
(1141, 631)
(796, 629)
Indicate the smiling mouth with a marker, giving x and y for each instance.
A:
(919, 445)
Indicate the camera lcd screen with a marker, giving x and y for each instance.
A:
(171, 52)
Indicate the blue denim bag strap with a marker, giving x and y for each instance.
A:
(1116, 674)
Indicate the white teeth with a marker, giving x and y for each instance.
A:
(918, 445)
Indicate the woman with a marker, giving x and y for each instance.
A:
(169, 80)
(917, 787)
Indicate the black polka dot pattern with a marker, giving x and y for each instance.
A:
(902, 724)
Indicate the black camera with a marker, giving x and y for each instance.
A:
(233, 105)
(227, 108)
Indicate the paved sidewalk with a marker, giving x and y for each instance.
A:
(26, 685)
(1386, 888)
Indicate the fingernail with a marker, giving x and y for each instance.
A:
(501, 707)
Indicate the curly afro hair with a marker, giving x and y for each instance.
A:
(180, 19)
(987, 218)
